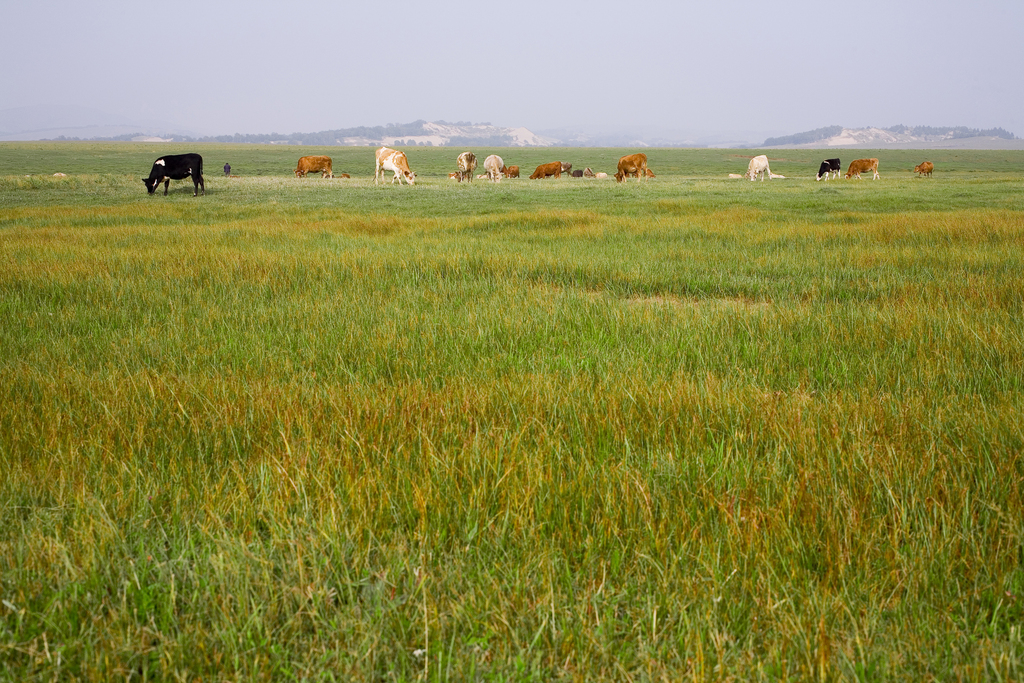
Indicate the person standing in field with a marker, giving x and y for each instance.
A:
(227, 169)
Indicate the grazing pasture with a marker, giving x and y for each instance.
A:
(686, 428)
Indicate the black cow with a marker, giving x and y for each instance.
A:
(176, 167)
(832, 165)
(576, 174)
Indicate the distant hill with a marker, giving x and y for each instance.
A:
(65, 122)
(906, 137)
(417, 133)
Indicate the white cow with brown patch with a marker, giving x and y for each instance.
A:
(392, 160)
(495, 166)
(467, 164)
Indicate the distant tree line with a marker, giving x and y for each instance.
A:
(328, 137)
(805, 138)
(954, 133)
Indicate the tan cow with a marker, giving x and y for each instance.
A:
(633, 163)
(494, 165)
(511, 171)
(587, 173)
(924, 168)
(392, 160)
(467, 164)
(600, 175)
(858, 166)
(312, 165)
(758, 166)
(544, 170)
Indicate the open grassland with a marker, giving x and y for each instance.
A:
(691, 428)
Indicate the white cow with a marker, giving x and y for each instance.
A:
(758, 167)
(494, 167)
(392, 160)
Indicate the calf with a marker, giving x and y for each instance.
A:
(832, 166)
(511, 171)
(576, 174)
(924, 168)
(314, 164)
(392, 160)
(587, 173)
(176, 167)
(467, 164)
(633, 163)
(858, 166)
(545, 170)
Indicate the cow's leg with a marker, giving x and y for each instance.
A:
(876, 176)
(167, 184)
(202, 184)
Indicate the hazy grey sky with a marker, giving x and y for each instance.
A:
(764, 68)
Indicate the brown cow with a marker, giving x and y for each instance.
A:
(314, 164)
(632, 164)
(344, 175)
(511, 171)
(924, 168)
(544, 170)
(858, 166)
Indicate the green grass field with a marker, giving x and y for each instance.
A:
(692, 428)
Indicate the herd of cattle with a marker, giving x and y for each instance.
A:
(180, 166)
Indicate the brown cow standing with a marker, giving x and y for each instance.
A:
(858, 166)
(544, 170)
(314, 164)
(632, 164)
(511, 171)
(924, 168)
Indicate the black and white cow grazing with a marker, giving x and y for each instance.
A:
(829, 165)
(176, 167)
